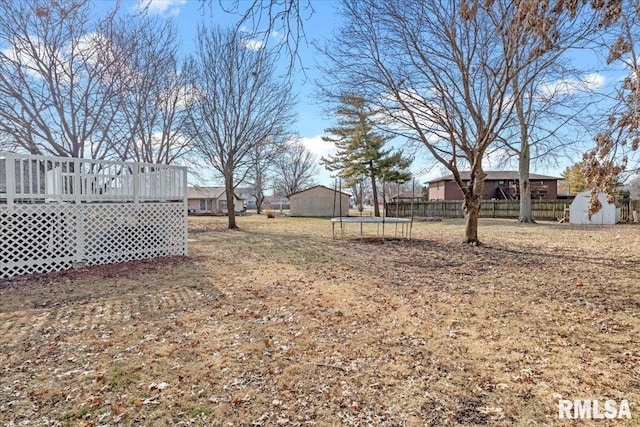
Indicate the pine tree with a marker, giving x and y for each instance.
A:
(361, 150)
(575, 178)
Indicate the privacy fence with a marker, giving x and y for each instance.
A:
(58, 212)
(541, 209)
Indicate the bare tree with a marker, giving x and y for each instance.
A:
(358, 189)
(154, 108)
(443, 72)
(549, 111)
(634, 188)
(277, 25)
(61, 74)
(620, 137)
(545, 88)
(264, 158)
(295, 169)
(237, 105)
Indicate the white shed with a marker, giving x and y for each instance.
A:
(609, 214)
(319, 201)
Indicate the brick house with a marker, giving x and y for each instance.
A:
(497, 185)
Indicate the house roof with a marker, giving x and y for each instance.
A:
(408, 195)
(319, 186)
(498, 176)
(206, 193)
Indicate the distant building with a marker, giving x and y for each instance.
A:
(275, 201)
(211, 201)
(408, 196)
(319, 201)
(497, 185)
(247, 194)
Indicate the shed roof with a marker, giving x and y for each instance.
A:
(498, 176)
(319, 187)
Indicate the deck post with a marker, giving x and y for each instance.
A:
(183, 193)
(77, 171)
(136, 183)
(10, 171)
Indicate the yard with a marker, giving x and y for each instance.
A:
(279, 324)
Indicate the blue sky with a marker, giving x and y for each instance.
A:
(312, 119)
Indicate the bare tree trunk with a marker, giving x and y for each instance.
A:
(524, 160)
(471, 211)
(259, 194)
(471, 207)
(259, 201)
(374, 188)
(231, 208)
(525, 214)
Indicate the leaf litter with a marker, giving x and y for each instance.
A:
(279, 324)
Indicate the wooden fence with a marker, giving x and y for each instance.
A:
(541, 209)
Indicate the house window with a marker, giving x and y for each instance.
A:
(223, 205)
(210, 204)
(202, 204)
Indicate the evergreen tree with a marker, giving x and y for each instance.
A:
(361, 151)
(575, 178)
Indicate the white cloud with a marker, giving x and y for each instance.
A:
(93, 48)
(318, 147)
(161, 7)
(253, 44)
(29, 53)
(570, 86)
(595, 80)
(277, 35)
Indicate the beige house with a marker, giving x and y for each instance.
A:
(319, 201)
(210, 201)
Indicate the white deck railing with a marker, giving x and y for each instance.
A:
(37, 179)
(57, 211)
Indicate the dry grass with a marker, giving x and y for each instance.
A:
(278, 324)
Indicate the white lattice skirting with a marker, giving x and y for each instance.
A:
(40, 238)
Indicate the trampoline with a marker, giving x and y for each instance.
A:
(405, 225)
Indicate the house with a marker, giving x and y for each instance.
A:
(211, 201)
(609, 214)
(408, 196)
(319, 201)
(247, 194)
(497, 185)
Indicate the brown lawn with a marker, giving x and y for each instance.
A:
(279, 324)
